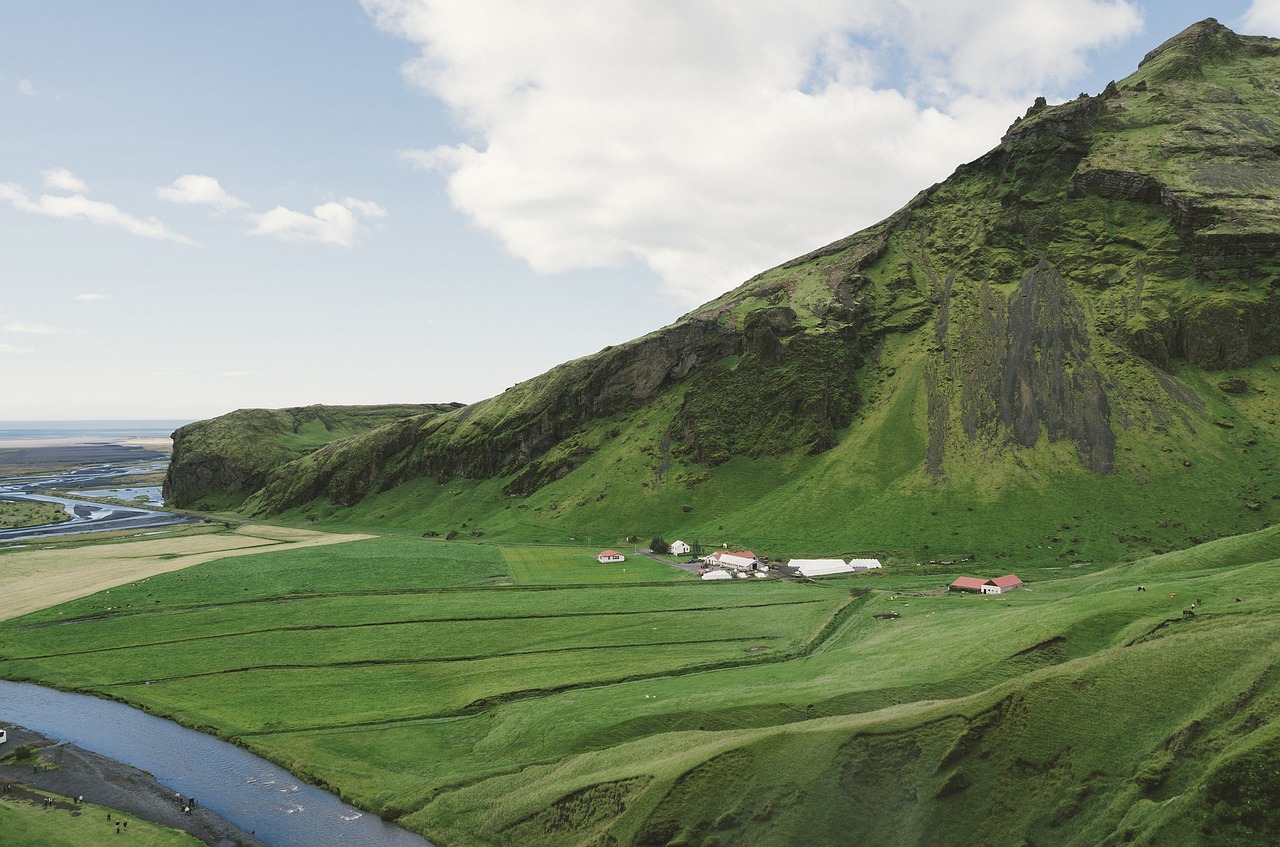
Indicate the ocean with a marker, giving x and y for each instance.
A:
(89, 429)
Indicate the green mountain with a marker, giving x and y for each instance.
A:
(1068, 350)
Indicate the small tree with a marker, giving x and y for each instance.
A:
(658, 545)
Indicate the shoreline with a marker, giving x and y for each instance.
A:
(106, 782)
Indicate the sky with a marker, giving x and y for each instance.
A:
(273, 203)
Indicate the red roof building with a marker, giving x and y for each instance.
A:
(978, 585)
(968, 583)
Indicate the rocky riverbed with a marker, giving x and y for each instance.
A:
(73, 772)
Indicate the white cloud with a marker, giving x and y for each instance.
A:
(14, 349)
(88, 297)
(710, 139)
(63, 179)
(28, 328)
(1262, 18)
(329, 223)
(199, 190)
(368, 208)
(25, 87)
(79, 207)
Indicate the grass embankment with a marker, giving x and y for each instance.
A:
(460, 688)
(15, 513)
(26, 820)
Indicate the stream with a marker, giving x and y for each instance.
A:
(244, 789)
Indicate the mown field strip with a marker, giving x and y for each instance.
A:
(38, 579)
(320, 627)
(360, 663)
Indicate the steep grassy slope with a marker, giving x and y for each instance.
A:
(429, 682)
(217, 463)
(1068, 349)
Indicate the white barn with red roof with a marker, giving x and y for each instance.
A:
(607, 556)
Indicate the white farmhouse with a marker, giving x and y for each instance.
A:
(679, 548)
(610, 556)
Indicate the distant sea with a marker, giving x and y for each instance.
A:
(89, 429)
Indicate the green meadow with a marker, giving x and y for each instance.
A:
(26, 821)
(486, 694)
(22, 513)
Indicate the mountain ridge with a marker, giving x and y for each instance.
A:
(1055, 309)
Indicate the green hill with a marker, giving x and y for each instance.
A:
(217, 463)
(1067, 351)
(501, 695)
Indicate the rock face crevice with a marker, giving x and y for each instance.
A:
(1049, 382)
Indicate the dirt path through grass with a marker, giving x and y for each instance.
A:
(37, 579)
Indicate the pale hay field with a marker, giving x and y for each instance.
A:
(33, 579)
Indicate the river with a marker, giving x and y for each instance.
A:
(84, 515)
(244, 789)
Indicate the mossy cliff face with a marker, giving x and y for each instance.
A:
(1044, 301)
(229, 457)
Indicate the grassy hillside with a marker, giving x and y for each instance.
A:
(217, 463)
(488, 694)
(1067, 351)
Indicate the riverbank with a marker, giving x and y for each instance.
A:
(74, 772)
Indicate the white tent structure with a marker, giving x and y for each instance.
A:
(717, 574)
(864, 564)
(820, 567)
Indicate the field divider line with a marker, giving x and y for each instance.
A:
(373, 663)
(409, 592)
(409, 622)
(485, 704)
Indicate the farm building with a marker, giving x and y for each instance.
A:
(679, 548)
(968, 583)
(820, 567)
(717, 574)
(978, 585)
(1001, 584)
(610, 556)
(743, 560)
(864, 564)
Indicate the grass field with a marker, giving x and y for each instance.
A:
(22, 513)
(489, 694)
(561, 565)
(78, 567)
(26, 821)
